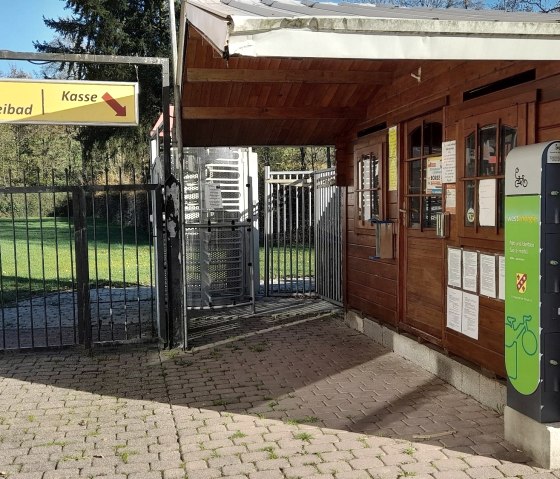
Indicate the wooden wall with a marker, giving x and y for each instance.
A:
(376, 287)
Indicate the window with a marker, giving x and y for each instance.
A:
(370, 157)
(486, 145)
(369, 190)
(423, 172)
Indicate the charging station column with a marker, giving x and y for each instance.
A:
(532, 255)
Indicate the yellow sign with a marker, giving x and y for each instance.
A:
(393, 159)
(68, 102)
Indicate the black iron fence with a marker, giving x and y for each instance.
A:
(77, 259)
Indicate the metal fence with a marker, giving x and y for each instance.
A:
(289, 234)
(302, 240)
(77, 259)
(328, 236)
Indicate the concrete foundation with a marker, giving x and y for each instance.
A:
(487, 391)
(540, 441)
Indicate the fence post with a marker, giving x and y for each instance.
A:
(157, 218)
(174, 269)
(267, 244)
(82, 266)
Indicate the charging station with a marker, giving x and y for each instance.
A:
(532, 276)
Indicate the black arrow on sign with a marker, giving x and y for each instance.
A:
(114, 104)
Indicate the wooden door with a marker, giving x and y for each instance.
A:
(422, 254)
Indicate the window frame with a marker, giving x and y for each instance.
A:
(411, 126)
(514, 116)
(376, 145)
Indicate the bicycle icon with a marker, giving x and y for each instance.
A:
(520, 180)
(522, 335)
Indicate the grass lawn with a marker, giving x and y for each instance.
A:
(300, 258)
(52, 260)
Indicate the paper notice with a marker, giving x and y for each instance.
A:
(433, 176)
(470, 270)
(454, 267)
(454, 309)
(488, 275)
(502, 277)
(487, 202)
(448, 160)
(393, 160)
(469, 322)
(450, 199)
(213, 195)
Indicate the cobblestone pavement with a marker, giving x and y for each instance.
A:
(313, 399)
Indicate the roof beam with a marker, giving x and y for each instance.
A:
(271, 113)
(201, 75)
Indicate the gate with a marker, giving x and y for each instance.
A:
(328, 237)
(220, 266)
(302, 237)
(289, 261)
(77, 262)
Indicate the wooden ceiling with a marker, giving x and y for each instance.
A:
(274, 101)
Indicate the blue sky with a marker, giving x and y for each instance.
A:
(21, 22)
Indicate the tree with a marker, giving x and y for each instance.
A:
(541, 6)
(470, 4)
(114, 27)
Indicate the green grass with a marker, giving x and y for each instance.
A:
(304, 420)
(57, 245)
(303, 436)
(57, 252)
(301, 260)
(238, 435)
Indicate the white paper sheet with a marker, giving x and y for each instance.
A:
(451, 199)
(502, 277)
(454, 309)
(469, 323)
(213, 196)
(454, 273)
(448, 161)
(488, 275)
(487, 202)
(470, 270)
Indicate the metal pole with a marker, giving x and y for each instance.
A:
(180, 159)
(82, 58)
(266, 229)
(250, 221)
(82, 273)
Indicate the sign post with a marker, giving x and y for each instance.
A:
(68, 102)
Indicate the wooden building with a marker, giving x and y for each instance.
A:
(387, 86)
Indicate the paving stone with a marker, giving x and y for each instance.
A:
(352, 475)
(511, 469)
(451, 474)
(485, 472)
(454, 464)
(333, 467)
(239, 469)
(236, 412)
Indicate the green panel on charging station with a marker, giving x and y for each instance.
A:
(522, 282)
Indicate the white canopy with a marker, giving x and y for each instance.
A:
(307, 29)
